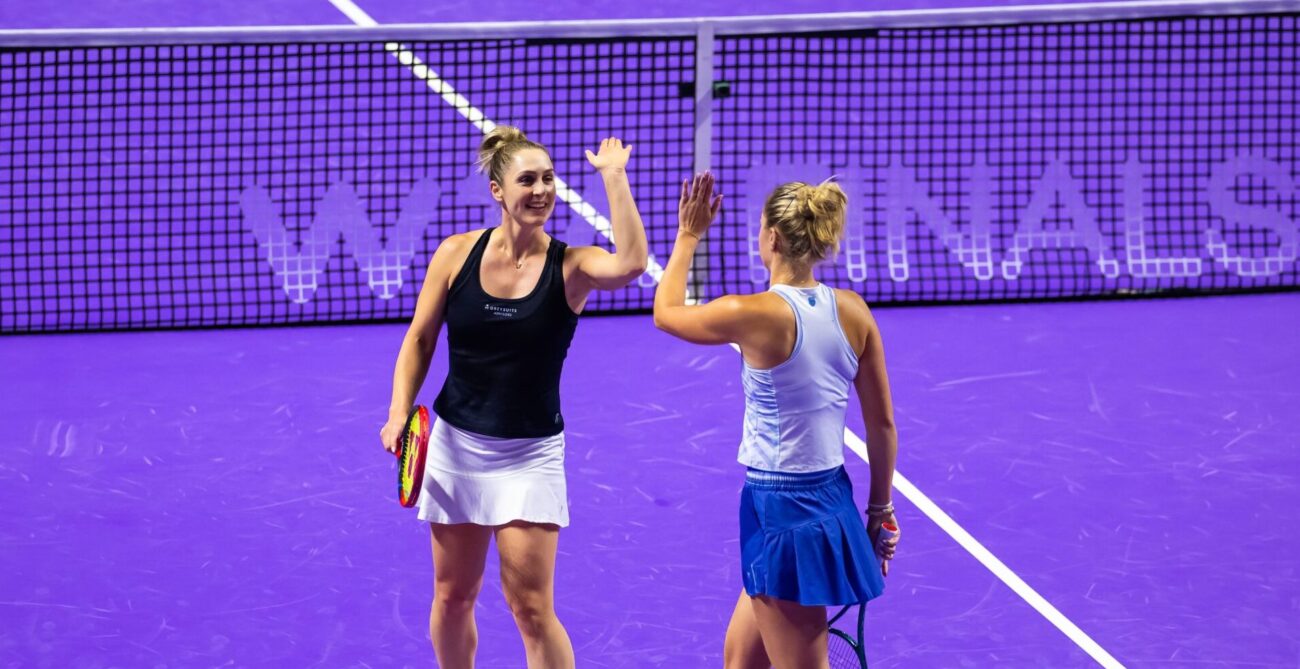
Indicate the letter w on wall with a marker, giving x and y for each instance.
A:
(299, 263)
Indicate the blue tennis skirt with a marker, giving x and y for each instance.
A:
(803, 540)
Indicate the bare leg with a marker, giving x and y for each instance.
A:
(528, 579)
(743, 648)
(458, 555)
(794, 635)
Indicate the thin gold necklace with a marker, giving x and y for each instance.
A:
(519, 264)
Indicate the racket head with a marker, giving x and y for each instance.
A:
(843, 650)
(415, 446)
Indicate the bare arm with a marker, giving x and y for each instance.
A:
(417, 346)
(600, 268)
(718, 322)
(872, 385)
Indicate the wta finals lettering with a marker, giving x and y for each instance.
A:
(900, 197)
(1055, 195)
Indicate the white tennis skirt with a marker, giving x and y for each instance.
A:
(473, 478)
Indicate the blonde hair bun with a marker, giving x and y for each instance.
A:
(809, 218)
(499, 146)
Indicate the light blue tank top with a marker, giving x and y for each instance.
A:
(794, 412)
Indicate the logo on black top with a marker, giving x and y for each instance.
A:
(501, 311)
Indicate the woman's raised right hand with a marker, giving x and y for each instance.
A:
(698, 206)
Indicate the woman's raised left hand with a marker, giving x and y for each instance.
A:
(698, 205)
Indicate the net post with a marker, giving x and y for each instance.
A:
(703, 146)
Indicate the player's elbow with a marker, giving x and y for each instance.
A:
(421, 342)
(625, 272)
(634, 267)
(661, 322)
(664, 321)
(883, 426)
(628, 277)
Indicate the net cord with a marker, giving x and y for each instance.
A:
(768, 24)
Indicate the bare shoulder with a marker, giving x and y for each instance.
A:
(748, 314)
(764, 305)
(852, 302)
(453, 249)
(762, 316)
(855, 318)
(449, 257)
(461, 240)
(446, 263)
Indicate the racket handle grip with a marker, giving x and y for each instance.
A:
(887, 537)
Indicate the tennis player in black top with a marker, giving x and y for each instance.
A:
(510, 298)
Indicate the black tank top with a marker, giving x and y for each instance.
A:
(506, 354)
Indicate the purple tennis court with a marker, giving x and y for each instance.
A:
(216, 498)
(1108, 478)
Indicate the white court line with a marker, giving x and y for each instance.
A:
(989, 560)
(853, 441)
(476, 117)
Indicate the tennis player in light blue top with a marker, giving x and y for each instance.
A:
(804, 545)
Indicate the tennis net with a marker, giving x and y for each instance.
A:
(205, 179)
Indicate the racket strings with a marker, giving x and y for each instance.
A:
(842, 654)
(415, 441)
(844, 649)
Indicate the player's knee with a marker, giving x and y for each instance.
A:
(732, 657)
(454, 598)
(532, 612)
(740, 655)
(532, 622)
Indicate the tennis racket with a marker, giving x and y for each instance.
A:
(410, 459)
(845, 651)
